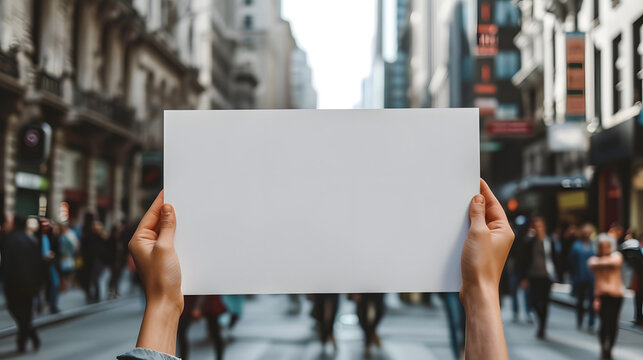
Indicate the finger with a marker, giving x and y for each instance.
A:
(151, 217)
(477, 213)
(493, 209)
(167, 226)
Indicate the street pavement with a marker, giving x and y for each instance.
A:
(266, 332)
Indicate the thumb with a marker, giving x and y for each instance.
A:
(167, 226)
(477, 212)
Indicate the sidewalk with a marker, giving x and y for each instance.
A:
(72, 304)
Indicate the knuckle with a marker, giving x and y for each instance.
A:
(132, 245)
(511, 236)
(478, 228)
(167, 222)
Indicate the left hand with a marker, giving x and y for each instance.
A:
(152, 248)
(487, 245)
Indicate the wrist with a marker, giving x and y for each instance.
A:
(159, 326)
(481, 291)
(164, 307)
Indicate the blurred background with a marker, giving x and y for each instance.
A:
(83, 86)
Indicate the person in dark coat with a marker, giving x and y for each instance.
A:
(324, 311)
(369, 320)
(197, 306)
(23, 276)
(91, 246)
(538, 271)
(116, 257)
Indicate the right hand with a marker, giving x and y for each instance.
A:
(487, 245)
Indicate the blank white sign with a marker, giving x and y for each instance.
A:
(318, 201)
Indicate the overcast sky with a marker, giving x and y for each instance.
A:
(338, 37)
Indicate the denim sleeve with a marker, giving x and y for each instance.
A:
(145, 354)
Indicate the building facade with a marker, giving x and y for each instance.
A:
(396, 73)
(302, 91)
(612, 32)
(580, 81)
(267, 45)
(84, 84)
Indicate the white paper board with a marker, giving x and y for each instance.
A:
(315, 201)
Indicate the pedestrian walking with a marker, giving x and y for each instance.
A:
(539, 271)
(608, 285)
(617, 233)
(234, 304)
(513, 269)
(91, 246)
(571, 233)
(116, 257)
(324, 311)
(456, 320)
(633, 256)
(23, 272)
(582, 277)
(51, 254)
(69, 246)
(6, 226)
(370, 310)
(196, 306)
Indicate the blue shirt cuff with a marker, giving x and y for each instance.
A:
(145, 354)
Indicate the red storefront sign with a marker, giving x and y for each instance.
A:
(509, 128)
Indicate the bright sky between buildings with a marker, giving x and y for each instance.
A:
(338, 37)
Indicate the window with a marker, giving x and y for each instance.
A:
(637, 51)
(247, 22)
(506, 13)
(596, 9)
(597, 84)
(617, 84)
(506, 64)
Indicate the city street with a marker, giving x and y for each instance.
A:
(266, 332)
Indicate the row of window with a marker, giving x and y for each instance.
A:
(618, 63)
(248, 20)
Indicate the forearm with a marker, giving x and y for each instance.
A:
(485, 338)
(158, 329)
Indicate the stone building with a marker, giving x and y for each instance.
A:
(83, 85)
(580, 80)
(303, 94)
(266, 45)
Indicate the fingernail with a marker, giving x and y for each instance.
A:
(166, 210)
(478, 199)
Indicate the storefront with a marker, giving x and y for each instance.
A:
(617, 154)
(560, 200)
(31, 194)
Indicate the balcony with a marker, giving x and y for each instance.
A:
(49, 83)
(10, 74)
(9, 64)
(114, 110)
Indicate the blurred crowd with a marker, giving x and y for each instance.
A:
(598, 266)
(40, 259)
